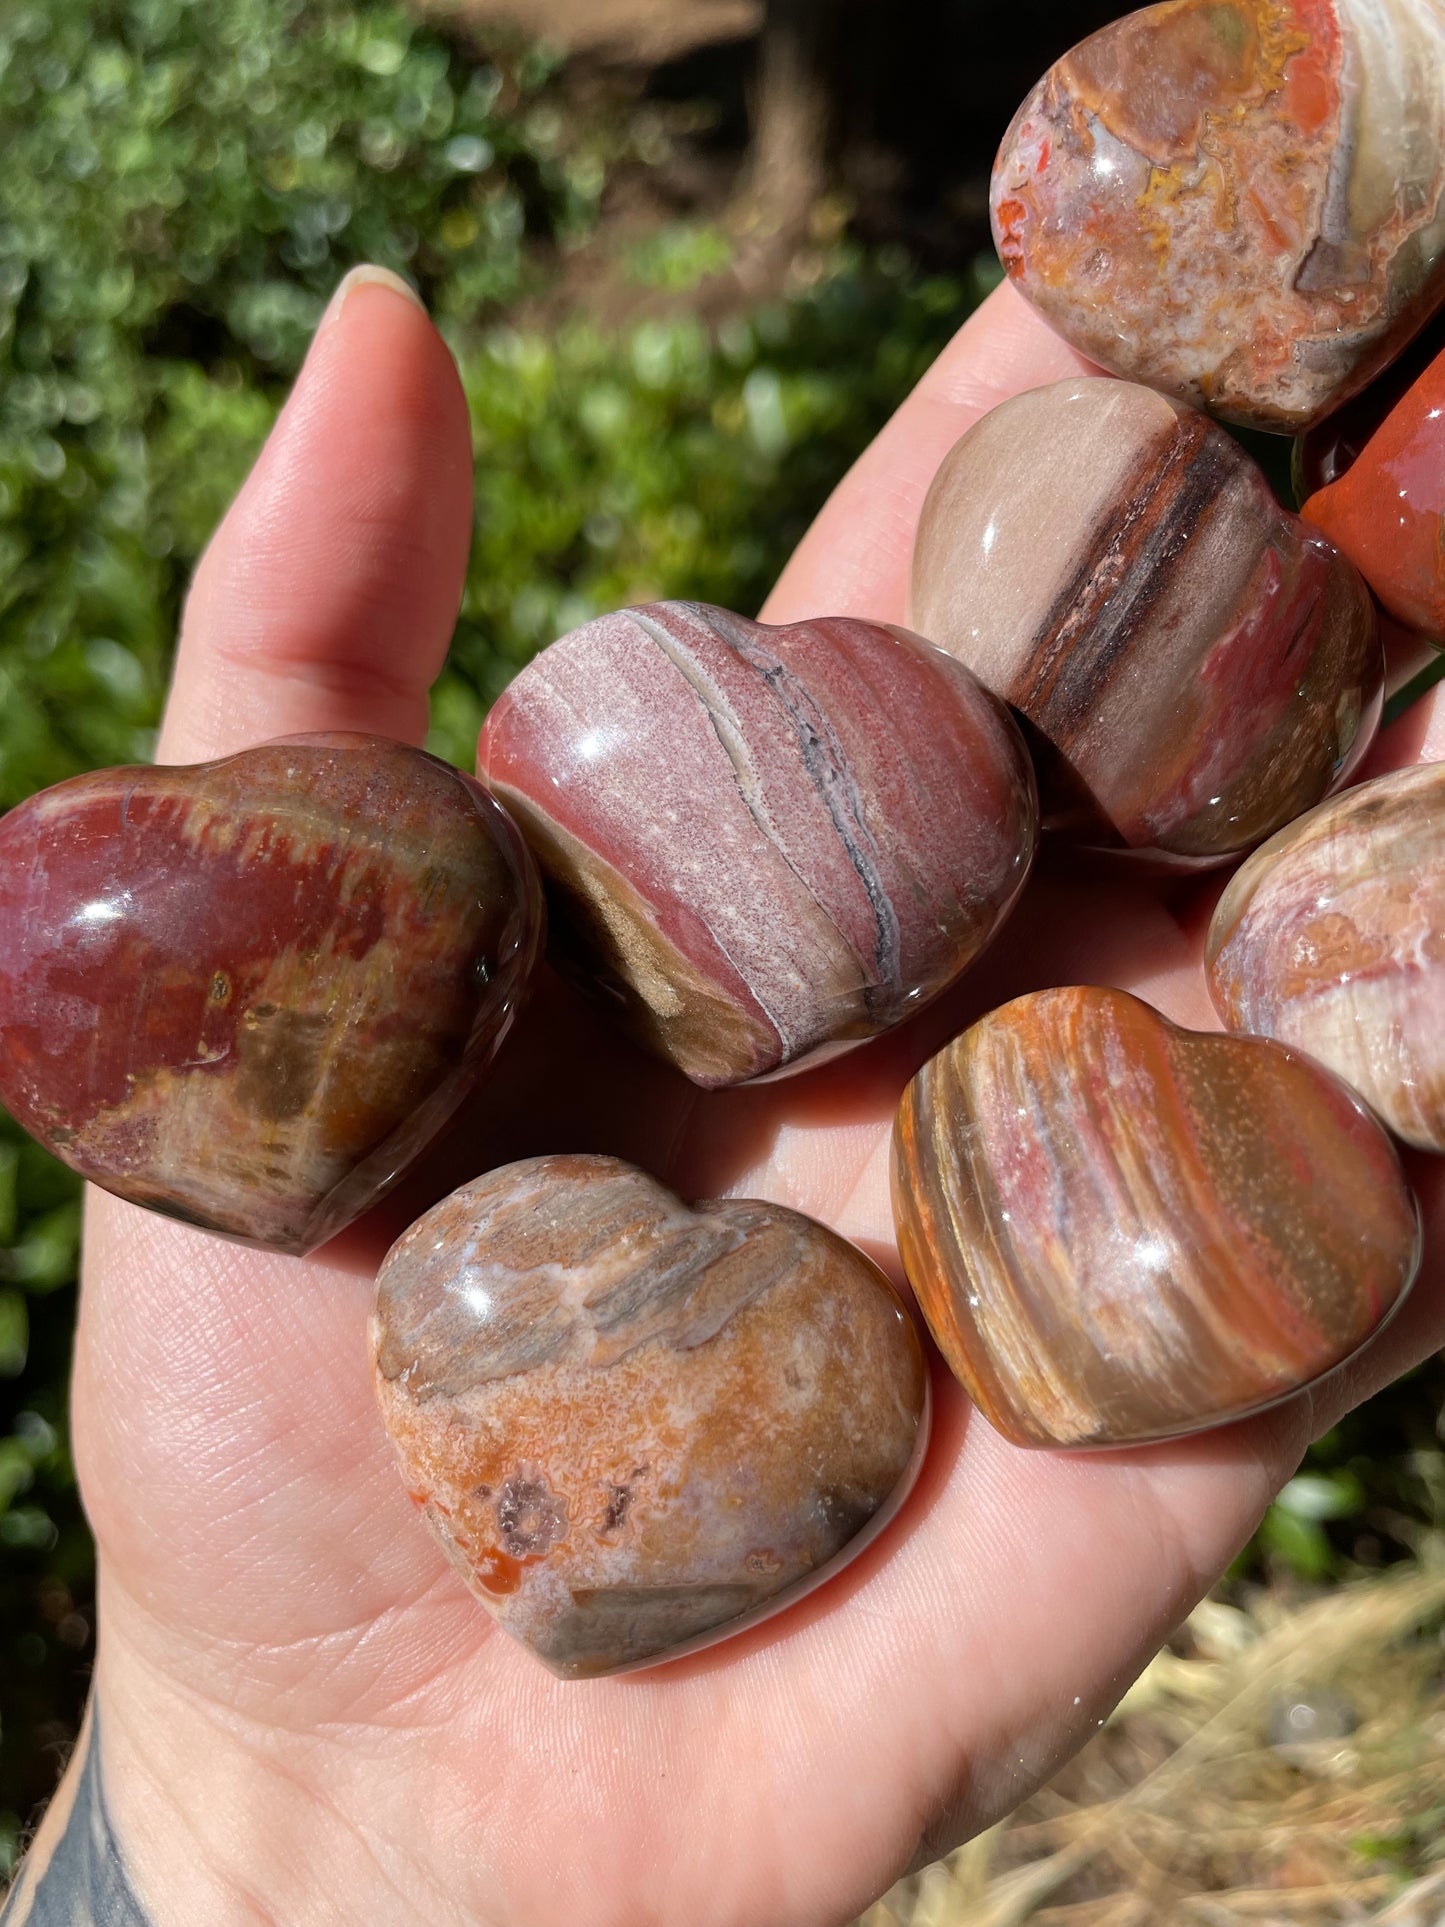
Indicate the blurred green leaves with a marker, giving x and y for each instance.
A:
(679, 257)
(675, 460)
(45, 1556)
(183, 184)
(39, 1246)
(1371, 1490)
(1293, 1528)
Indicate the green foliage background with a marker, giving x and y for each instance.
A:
(181, 185)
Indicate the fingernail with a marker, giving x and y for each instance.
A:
(367, 275)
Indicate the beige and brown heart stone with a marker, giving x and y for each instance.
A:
(637, 1427)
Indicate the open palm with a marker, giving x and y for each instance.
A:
(304, 1716)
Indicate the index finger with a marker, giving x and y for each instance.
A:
(327, 597)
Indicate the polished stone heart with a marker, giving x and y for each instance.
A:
(1199, 664)
(248, 993)
(1119, 1230)
(1240, 202)
(1386, 511)
(762, 845)
(1332, 938)
(636, 1428)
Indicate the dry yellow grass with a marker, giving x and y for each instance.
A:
(1181, 1813)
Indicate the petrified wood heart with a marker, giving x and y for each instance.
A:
(635, 1427)
(1119, 1230)
(248, 993)
(1200, 665)
(762, 844)
(1332, 938)
(1237, 201)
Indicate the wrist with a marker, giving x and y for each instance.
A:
(172, 1811)
(232, 1804)
(74, 1872)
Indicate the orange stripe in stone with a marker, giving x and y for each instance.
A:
(1280, 241)
(1311, 92)
(498, 1572)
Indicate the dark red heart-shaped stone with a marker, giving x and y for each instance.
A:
(248, 993)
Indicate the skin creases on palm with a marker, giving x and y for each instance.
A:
(286, 1657)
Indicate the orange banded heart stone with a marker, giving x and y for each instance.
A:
(1119, 1230)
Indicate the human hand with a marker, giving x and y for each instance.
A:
(302, 1715)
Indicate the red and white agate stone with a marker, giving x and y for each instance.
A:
(1241, 202)
(1332, 938)
(636, 1426)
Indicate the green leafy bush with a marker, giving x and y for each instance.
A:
(183, 185)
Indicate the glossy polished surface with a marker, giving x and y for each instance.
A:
(1332, 937)
(248, 993)
(635, 1427)
(1387, 511)
(1236, 201)
(1203, 665)
(762, 844)
(1119, 1230)
(1323, 454)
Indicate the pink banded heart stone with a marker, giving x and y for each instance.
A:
(762, 844)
